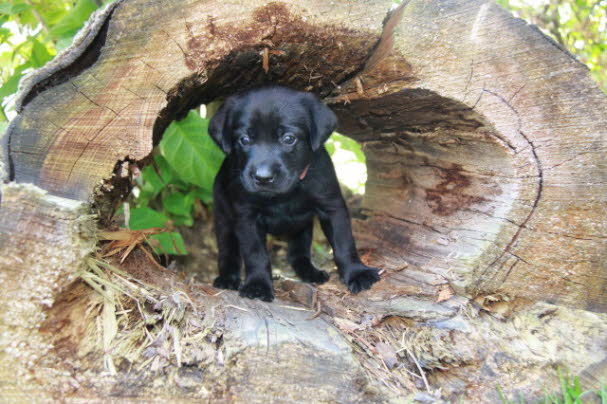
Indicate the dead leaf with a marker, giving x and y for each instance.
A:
(124, 241)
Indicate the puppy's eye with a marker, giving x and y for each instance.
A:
(244, 140)
(289, 139)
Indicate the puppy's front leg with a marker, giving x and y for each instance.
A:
(258, 280)
(335, 223)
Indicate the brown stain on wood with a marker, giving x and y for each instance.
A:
(448, 196)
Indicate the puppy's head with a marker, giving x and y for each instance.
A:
(273, 133)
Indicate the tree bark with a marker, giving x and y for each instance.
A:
(485, 206)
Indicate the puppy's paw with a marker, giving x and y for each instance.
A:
(360, 278)
(257, 289)
(317, 276)
(227, 282)
(309, 273)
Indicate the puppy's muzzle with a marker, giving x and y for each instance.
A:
(263, 175)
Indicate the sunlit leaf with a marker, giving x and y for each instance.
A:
(13, 8)
(40, 54)
(71, 23)
(191, 152)
(10, 86)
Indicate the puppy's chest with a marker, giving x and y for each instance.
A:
(287, 217)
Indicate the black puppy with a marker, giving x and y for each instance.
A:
(276, 176)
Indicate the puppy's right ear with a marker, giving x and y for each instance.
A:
(219, 127)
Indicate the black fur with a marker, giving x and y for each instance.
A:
(270, 135)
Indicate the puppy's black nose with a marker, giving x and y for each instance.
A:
(263, 175)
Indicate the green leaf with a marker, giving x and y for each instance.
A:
(151, 183)
(40, 54)
(350, 145)
(11, 84)
(183, 220)
(71, 23)
(171, 243)
(14, 8)
(164, 169)
(191, 152)
(205, 195)
(330, 146)
(177, 204)
(145, 218)
(5, 33)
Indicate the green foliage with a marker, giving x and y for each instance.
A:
(64, 30)
(31, 34)
(571, 393)
(349, 161)
(169, 242)
(179, 179)
(189, 150)
(580, 26)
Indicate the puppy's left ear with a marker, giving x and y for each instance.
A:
(323, 123)
(219, 127)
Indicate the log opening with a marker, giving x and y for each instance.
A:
(434, 167)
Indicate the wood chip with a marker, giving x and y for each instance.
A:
(359, 86)
(265, 63)
(444, 293)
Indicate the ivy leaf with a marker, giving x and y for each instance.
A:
(191, 152)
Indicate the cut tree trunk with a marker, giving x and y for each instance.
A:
(485, 205)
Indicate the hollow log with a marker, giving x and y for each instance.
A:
(485, 206)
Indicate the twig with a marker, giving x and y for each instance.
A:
(315, 303)
(421, 372)
(236, 307)
(147, 253)
(294, 308)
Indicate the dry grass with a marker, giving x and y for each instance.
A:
(139, 325)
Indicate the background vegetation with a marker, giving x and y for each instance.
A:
(580, 26)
